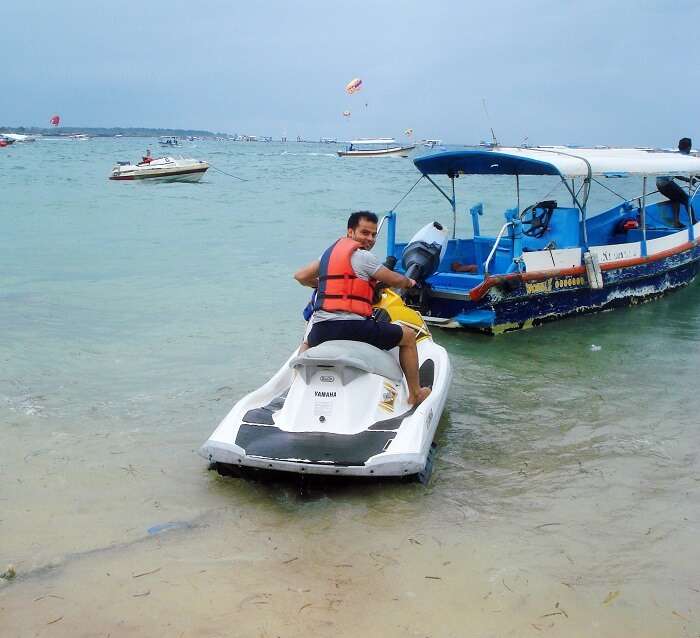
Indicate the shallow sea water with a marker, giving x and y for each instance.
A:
(565, 499)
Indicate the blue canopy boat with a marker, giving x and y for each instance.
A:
(551, 261)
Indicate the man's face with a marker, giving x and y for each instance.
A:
(365, 233)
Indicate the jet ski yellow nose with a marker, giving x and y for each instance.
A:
(399, 311)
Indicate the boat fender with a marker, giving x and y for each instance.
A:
(629, 223)
(593, 272)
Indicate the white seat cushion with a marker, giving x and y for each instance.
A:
(351, 354)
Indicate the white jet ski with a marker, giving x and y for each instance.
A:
(341, 407)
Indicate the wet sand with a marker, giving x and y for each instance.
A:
(247, 558)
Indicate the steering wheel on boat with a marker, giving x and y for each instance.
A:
(535, 219)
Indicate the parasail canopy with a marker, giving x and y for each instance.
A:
(55, 120)
(353, 86)
(408, 131)
(346, 113)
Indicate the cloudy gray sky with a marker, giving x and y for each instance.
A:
(591, 72)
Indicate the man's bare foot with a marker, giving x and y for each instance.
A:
(422, 396)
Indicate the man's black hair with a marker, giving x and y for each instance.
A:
(684, 145)
(354, 219)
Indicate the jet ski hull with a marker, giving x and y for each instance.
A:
(388, 442)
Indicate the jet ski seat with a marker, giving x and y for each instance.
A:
(342, 354)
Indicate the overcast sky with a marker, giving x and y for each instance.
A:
(622, 72)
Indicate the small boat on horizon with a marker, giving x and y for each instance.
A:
(169, 140)
(161, 169)
(380, 147)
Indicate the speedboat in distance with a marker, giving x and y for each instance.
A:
(161, 169)
(382, 147)
(18, 137)
(169, 140)
(552, 259)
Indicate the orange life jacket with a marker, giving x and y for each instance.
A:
(339, 288)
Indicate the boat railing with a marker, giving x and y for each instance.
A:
(639, 198)
(379, 230)
(694, 187)
(494, 247)
(381, 223)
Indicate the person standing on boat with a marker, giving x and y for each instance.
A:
(666, 185)
(344, 278)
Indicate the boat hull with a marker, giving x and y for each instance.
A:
(192, 175)
(512, 302)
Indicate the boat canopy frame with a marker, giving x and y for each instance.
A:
(531, 167)
(564, 162)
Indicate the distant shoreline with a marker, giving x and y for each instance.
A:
(117, 131)
(109, 132)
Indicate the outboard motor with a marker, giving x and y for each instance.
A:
(422, 255)
(390, 262)
(421, 258)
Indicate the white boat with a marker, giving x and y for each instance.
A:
(18, 137)
(169, 140)
(341, 408)
(162, 169)
(431, 143)
(380, 147)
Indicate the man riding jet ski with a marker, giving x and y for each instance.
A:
(340, 405)
(345, 278)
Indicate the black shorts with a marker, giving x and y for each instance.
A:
(380, 334)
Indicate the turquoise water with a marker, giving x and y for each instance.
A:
(134, 315)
